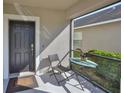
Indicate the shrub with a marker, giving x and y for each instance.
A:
(106, 53)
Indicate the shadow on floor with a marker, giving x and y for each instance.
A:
(48, 78)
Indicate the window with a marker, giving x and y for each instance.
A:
(77, 40)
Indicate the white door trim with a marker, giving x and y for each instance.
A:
(8, 17)
(98, 23)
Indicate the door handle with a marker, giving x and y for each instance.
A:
(32, 48)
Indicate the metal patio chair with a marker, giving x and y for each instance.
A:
(60, 68)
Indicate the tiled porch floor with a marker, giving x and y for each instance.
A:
(48, 84)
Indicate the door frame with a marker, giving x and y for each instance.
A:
(6, 61)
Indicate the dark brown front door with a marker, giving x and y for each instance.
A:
(22, 37)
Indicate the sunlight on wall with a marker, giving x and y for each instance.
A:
(60, 46)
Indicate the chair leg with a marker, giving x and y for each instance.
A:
(66, 75)
(54, 73)
(56, 77)
(79, 82)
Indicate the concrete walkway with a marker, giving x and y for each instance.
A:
(48, 84)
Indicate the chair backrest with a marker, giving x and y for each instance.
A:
(53, 57)
(55, 62)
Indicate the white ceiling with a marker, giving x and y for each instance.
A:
(49, 4)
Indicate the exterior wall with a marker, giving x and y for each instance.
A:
(60, 46)
(103, 37)
(53, 23)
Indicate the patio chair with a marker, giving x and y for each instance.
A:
(60, 68)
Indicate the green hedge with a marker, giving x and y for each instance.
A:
(106, 53)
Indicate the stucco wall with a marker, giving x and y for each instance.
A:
(104, 37)
(52, 21)
(53, 24)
